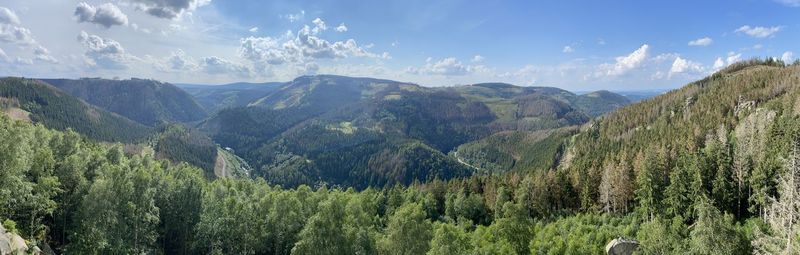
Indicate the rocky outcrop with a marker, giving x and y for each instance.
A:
(621, 246)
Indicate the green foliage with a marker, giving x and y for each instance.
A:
(580, 234)
(449, 239)
(714, 232)
(182, 144)
(148, 102)
(58, 110)
(408, 231)
(361, 132)
(214, 98)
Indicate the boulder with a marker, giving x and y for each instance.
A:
(621, 246)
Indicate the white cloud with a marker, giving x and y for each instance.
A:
(177, 61)
(8, 17)
(104, 53)
(681, 65)
(758, 32)
(11, 31)
(341, 28)
(216, 65)
(477, 59)
(719, 64)
(787, 57)
(24, 61)
(790, 3)
(106, 15)
(170, 9)
(705, 41)
(447, 67)
(294, 17)
(319, 26)
(624, 64)
(41, 53)
(16, 34)
(253, 29)
(733, 57)
(567, 49)
(300, 48)
(3, 56)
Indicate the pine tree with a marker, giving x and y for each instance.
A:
(782, 214)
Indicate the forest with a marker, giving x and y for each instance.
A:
(711, 168)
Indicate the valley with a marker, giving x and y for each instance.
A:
(519, 166)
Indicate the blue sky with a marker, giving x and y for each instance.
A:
(576, 45)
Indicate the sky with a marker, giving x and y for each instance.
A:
(575, 45)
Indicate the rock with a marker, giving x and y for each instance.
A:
(621, 246)
(11, 243)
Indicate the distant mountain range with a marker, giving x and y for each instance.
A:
(214, 98)
(328, 129)
(363, 131)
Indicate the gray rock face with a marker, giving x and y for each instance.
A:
(11, 243)
(621, 246)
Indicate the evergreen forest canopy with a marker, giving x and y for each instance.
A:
(711, 168)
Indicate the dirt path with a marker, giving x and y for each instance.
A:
(455, 154)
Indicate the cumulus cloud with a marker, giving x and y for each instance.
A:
(624, 64)
(253, 29)
(8, 17)
(341, 28)
(568, 49)
(106, 15)
(705, 41)
(787, 57)
(104, 53)
(447, 67)
(11, 31)
(319, 26)
(178, 61)
(477, 59)
(3, 56)
(719, 64)
(169, 9)
(300, 48)
(681, 65)
(41, 53)
(216, 65)
(733, 57)
(758, 32)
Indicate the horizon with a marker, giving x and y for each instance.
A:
(592, 47)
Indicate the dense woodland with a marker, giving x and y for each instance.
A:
(362, 132)
(148, 102)
(712, 168)
(56, 109)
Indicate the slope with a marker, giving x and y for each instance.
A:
(48, 105)
(146, 101)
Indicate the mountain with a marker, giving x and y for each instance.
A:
(599, 102)
(363, 131)
(146, 101)
(42, 103)
(214, 98)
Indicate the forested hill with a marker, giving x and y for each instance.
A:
(711, 168)
(214, 98)
(146, 101)
(42, 103)
(370, 132)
